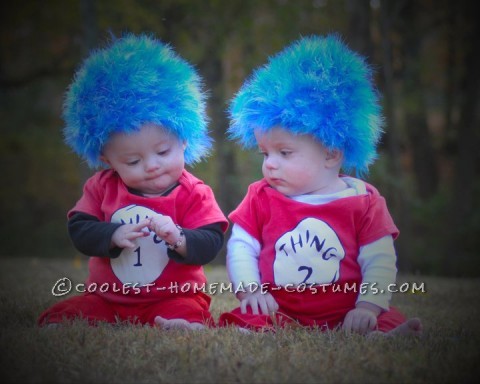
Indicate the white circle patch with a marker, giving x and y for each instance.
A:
(309, 254)
(144, 263)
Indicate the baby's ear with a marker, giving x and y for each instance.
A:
(105, 160)
(334, 157)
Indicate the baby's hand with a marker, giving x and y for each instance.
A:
(362, 319)
(125, 234)
(165, 228)
(257, 300)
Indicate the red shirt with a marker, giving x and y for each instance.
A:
(313, 245)
(145, 273)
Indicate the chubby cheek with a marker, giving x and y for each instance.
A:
(299, 178)
(131, 176)
(264, 168)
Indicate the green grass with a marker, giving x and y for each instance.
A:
(448, 352)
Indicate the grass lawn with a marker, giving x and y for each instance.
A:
(447, 353)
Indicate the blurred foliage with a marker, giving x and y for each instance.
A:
(422, 51)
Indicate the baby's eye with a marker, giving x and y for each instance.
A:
(285, 153)
(162, 153)
(133, 162)
(264, 154)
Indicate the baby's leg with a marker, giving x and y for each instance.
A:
(411, 327)
(90, 307)
(191, 313)
(177, 324)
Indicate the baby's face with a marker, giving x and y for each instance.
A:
(150, 160)
(297, 164)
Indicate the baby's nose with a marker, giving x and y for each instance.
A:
(270, 162)
(151, 164)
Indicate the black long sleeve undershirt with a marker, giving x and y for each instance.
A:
(93, 237)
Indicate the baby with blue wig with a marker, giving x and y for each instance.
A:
(311, 246)
(137, 110)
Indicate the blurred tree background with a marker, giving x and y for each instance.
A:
(423, 52)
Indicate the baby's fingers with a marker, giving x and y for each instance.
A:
(127, 241)
(250, 302)
(347, 323)
(263, 306)
(159, 219)
(271, 303)
(142, 226)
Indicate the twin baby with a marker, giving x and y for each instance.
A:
(136, 110)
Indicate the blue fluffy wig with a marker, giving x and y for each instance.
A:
(134, 81)
(315, 86)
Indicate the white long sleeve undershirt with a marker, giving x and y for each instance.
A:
(377, 260)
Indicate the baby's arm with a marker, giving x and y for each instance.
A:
(242, 265)
(169, 232)
(199, 246)
(378, 264)
(93, 237)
